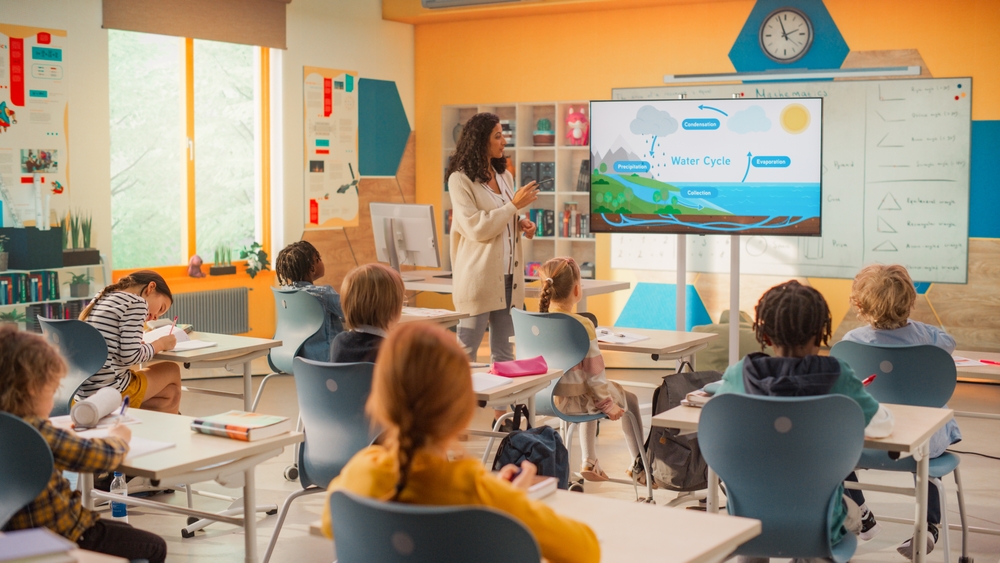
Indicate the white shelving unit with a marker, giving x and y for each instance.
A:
(64, 290)
(567, 159)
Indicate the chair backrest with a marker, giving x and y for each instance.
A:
(24, 475)
(85, 351)
(332, 406)
(922, 375)
(783, 459)
(557, 337)
(298, 316)
(389, 532)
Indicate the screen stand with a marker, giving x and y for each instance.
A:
(734, 299)
(389, 227)
(681, 284)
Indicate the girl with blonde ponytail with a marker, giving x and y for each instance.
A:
(119, 313)
(584, 388)
(422, 397)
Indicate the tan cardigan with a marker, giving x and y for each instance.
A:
(477, 248)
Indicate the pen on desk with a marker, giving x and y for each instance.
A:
(990, 362)
(866, 381)
(124, 406)
(172, 326)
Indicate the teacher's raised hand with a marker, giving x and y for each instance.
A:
(526, 195)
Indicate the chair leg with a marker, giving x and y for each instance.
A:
(642, 456)
(281, 517)
(961, 514)
(496, 428)
(292, 471)
(260, 390)
(945, 545)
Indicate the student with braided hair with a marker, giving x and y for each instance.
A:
(795, 321)
(422, 396)
(298, 265)
(119, 313)
(584, 388)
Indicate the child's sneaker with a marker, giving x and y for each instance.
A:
(591, 471)
(637, 473)
(906, 548)
(869, 527)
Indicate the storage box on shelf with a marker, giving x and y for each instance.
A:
(566, 163)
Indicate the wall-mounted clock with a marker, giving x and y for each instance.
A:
(786, 35)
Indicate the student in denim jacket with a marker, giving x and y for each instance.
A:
(298, 265)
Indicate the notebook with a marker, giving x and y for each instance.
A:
(482, 381)
(184, 342)
(35, 544)
(137, 446)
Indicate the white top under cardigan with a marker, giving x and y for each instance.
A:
(477, 247)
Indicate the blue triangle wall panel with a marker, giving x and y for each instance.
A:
(828, 49)
(382, 127)
(654, 305)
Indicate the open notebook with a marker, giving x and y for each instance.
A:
(184, 342)
(136, 446)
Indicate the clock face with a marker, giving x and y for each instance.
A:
(786, 35)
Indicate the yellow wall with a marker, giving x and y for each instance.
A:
(584, 55)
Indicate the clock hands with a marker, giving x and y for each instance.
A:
(784, 34)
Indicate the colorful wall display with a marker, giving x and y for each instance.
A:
(34, 121)
(331, 148)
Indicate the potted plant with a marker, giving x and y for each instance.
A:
(3, 253)
(79, 285)
(76, 243)
(544, 136)
(223, 265)
(256, 259)
(14, 317)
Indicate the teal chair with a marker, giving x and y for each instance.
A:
(564, 343)
(85, 351)
(25, 475)
(924, 376)
(366, 530)
(783, 460)
(332, 410)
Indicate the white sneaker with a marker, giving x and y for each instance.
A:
(869, 527)
(906, 548)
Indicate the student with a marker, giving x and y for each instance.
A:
(372, 297)
(298, 265)
(795, 321)
(422, 396)
(120, 312)
(30, 373)
(884, 296)
(584, 388)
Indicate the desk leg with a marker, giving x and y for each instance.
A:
(250, 516)
(920, 520)
(531, 411)
(85, 482)
(713, 492)
(247, 386)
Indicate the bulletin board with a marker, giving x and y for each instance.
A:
(34, 121)
(331, 148)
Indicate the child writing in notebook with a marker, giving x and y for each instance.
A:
(298, 265)
(584, 388)
(795, 321)
(884, 297)
(120, 312)
(30, 373)
(372, 297)
(422, 397)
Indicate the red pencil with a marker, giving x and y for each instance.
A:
(866, 381)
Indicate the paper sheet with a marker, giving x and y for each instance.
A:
(421, 312)
(184, 341)
(967, 362)
(482, 381)
(612, 336)
(137, 446)
(107, 422)
(193, 345)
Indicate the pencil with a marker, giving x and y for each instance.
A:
(172, 326)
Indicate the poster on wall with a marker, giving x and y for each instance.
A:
(331, 148)
(34, 122)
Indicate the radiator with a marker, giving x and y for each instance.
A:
(222, 311)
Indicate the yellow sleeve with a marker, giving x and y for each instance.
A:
(370, 473)
(562, 540)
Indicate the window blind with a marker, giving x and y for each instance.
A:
(248, 22)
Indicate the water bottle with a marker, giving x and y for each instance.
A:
(119, 510)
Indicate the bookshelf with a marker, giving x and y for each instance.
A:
(565, 167)
(53, 297)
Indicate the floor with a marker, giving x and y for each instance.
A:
(223, 543)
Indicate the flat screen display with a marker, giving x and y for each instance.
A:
(728, 166)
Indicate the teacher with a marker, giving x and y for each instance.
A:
(487, 268)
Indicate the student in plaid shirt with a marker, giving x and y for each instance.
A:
(30, 373)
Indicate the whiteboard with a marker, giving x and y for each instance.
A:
(895, 184)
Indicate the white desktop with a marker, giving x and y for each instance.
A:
(405, 235)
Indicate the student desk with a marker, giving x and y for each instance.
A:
(979, 374)
(624, 530)
(662, 345)
(229, 352)
(427, 280)
(911, 435)
(196, 458)
(519, 390)
(84, 556)
(446, 319)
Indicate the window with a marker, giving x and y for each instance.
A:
(184, 123)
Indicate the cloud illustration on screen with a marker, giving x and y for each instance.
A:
(751, 120)
(651, 121)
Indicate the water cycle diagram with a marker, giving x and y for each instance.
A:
(711, 166)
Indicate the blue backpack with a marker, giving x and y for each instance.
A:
(542, 446)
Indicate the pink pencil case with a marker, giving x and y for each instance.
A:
(520, 368)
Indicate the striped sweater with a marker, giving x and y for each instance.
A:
(120, 318)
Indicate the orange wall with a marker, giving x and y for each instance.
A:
(584, 55)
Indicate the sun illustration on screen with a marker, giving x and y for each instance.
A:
(795, 118)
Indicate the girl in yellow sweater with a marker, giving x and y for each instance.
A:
(422, 396)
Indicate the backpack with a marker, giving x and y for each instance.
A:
(542, 446)
(676, 461)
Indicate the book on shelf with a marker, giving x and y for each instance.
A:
(447, 221)
(242, 425)
(583, 180)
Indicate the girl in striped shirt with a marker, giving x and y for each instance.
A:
(120, 312)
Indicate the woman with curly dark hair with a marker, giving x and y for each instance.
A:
(488, 271)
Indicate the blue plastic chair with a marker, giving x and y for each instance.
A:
(924, 376)
(366, 530)
(564, 343)
(25, 475)
(85, 351)
(783, 460)
(332, 409)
